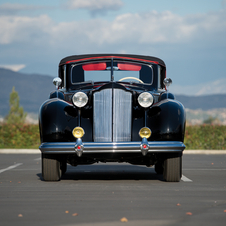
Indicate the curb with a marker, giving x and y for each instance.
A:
(205, 152)
(20, 151)
(186, 152)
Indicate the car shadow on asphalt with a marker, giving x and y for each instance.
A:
(109, 172)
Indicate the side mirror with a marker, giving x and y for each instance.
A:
(57, 82)
(167, 82)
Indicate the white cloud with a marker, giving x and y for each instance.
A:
(146, 28)
(150, 28)
(166, 35)
(214, 87)
(18, 29)
(13, 8)
(94, 6)
(13, 67)
(207, 88)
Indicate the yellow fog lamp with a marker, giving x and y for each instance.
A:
(78, 132)
(145, 132)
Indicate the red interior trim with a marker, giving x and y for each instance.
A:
(129, 67)
(109, 57)
(94, 67)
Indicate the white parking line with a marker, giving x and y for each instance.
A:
(10, 167)
(38, 159)
(185, 179)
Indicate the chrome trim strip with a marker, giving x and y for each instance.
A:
(112, 147)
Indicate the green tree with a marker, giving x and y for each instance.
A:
(16, 113)
(210, 120)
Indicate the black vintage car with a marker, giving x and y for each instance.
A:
(112, 108)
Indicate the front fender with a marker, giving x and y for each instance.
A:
(168, 121)
(54, 122)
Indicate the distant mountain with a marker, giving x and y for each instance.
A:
(206, 102)
(34, 89)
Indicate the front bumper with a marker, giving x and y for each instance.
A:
(80, 148)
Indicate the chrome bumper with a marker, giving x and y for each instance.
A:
(80, 147)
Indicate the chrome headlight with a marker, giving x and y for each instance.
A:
(80, 99)
(145, 99)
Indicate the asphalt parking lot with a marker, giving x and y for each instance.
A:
(112, 194)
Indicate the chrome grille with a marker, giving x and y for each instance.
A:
(122, 110)
(112, 115)
(102, 115)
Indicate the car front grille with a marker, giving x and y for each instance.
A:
(112, 115)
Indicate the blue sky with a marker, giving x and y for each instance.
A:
(190, 36)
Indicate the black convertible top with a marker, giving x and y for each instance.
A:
(76, 58)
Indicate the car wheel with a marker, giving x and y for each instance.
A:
(50, 168)
(159, 168)
(172, 171)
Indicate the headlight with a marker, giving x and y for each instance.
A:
(145, 99)
(80, 99)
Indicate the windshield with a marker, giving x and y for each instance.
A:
(112, 71)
